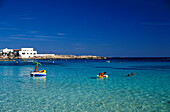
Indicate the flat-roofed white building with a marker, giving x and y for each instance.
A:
(27, 52)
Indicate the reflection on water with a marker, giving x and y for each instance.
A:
(7, 71)
(25, 71)
(102, 78)
(42, 78)
(19, 71)
(40, 81)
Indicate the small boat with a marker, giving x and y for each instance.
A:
(101, 76)
(39, 73)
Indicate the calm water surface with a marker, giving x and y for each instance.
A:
(72, 85)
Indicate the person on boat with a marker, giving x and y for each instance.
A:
(131, 73)
(100, 75)
(128, 75)
(41, 71)
(103, 74)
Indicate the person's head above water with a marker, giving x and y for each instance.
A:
(104, 72)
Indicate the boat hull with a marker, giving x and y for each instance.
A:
(37, 74)
(102, 77)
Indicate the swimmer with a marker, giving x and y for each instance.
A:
(131, 73)
(128, 75)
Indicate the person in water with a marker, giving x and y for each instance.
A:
(40, 71)
(128, 75)
(131, 73)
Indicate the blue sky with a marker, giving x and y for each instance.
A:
(118, 28)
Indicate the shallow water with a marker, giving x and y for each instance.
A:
(72, 85)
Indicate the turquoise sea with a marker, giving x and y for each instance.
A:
(72, 85)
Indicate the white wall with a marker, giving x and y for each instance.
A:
(27, 49)
(27, 52)
(45, 54)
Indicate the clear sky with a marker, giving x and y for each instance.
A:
(118, 28)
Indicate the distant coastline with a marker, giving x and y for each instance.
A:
(84, 57)
(138, 58)
(55, 57)
(29, 53)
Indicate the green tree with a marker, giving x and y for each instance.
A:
(10, 54)
(16, 54)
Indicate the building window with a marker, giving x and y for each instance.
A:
(31, 53)
(23, 53)
(27, 53)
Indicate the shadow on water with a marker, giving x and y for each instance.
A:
(103, 67)
(20, 81)
(134, 69)
(168, 102)
(93, 77)
(153, 67)
(157, 68)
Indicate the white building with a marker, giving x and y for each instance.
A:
(27, 52)
(24, 52)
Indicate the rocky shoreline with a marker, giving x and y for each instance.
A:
(6, 60)
(57, 57)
